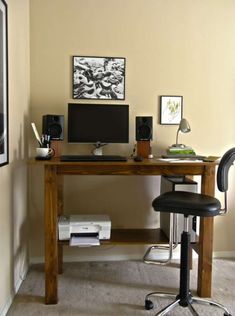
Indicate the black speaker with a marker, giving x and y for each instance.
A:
(53, 125)
(144, 127)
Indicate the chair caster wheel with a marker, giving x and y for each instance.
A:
(148, 305)
(227, 314)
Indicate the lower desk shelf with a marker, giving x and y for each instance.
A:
(133, 236)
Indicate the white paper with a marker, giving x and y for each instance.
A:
(166, 159)
(191, 159)
(185, 160)
(84, 241)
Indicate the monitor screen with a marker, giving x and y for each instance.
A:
(93, 123)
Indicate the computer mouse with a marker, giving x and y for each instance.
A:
(138, 158)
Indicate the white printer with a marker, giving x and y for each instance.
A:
(84, 225)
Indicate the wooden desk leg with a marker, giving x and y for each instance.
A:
(60, 212)
(206, 238)
(51, 250)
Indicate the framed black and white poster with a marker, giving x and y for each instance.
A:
(3, 85)
(171, 109)
(99, 78)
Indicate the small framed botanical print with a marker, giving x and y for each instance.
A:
(171, 109)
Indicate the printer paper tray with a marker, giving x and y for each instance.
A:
(84, 241)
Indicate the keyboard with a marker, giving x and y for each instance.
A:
(95, 158)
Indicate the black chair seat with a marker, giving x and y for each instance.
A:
(187, 203)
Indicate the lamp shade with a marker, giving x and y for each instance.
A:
(184, 126)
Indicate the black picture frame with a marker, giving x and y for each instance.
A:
(4, 150)
(98, 77)
(171, 109)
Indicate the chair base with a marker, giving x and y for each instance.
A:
(184, 303)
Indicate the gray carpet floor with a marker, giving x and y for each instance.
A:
(118, 288)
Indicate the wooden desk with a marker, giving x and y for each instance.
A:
(54, 171)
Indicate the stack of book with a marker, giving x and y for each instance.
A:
(186, 150)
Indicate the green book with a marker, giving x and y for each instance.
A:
(180, 151)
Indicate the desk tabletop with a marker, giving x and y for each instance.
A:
(130, 161)
(153, 166)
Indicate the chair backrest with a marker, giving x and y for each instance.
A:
(223, 169)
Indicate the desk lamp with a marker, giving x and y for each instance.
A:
(184, 127)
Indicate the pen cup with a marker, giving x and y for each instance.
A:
(44, 152)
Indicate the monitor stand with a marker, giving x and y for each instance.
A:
(98, 150)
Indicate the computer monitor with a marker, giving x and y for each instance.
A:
(98, 123)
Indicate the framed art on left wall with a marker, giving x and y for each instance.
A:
(3, 85)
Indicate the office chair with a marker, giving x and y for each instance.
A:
(195, 204)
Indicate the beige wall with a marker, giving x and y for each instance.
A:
(13, 177)
(177, 47)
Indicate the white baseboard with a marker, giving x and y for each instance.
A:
(224, 254)
(156, 254)
(135, 256)
(37, 260)
(4, 309)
